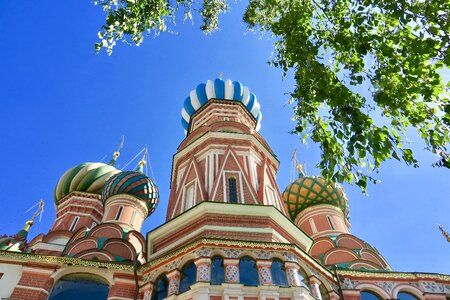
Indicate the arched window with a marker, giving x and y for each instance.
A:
(366, 295)
(248, 271)
(278, 273)
(74, 223)
(406, 296)
(119, 212)
(80, 286)
(160, 288)
(217, 270)
(188, 276)
(233, 190)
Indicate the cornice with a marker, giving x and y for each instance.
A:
(392, 275)
(14, 257)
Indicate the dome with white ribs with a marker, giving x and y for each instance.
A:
(87, 177)
(223, 90)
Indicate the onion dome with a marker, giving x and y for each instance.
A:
(220, 89)
(87, 177)
(133, 183)
(309, 191)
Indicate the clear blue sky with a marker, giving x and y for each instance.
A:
(62, 104)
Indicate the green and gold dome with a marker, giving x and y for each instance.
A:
(308, 191)
(136, 184)
(89, 177)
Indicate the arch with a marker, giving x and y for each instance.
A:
(278, 273)
(374, 289)
(372, 256)
(403, 288)
(369, 295)
(217, 270)
(188, 276)
(94, 254)
(82, 245)
(80, 286)
(160, 288)
(321, 245)
(105, 274)
(303, 278)
(339, 255)
(248, 272)
(323, 291)
(350, 241)
(120, 248)
(108, 230)
(248, 253)
(364, 264)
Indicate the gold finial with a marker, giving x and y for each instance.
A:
(116, 153)
(143, 160)
(30, 222)
(220, 75)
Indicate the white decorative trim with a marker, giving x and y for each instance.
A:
(32, 288)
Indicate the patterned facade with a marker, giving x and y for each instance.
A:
(230, 233)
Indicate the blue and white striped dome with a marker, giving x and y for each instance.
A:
(220, 89)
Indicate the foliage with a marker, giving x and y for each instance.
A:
(391, 50)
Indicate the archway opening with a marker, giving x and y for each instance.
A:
(80, 286)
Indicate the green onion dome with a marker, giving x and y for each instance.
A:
(133, 183)
(309, 191)
(88, 177)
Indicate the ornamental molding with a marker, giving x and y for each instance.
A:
(61, 261)
(392, 275)
(201, 245)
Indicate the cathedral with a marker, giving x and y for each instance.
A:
(231, 233)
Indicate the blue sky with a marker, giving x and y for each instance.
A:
(62, 104)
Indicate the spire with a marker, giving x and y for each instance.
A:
(116, 154)
(143, 161)
(445, 233)
(18, 241)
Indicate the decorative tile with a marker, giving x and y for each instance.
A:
(206, 252)
(292, 277)
(203, 272)
(387, 286)
(265, 275)
(430, 287)
(232, 253)
(231, 273)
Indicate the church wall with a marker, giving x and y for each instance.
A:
(10, 275)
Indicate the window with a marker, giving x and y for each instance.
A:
(248, 272)
(119, 213)
(160, 288)
(278, 273)
(233, 191)
(366, 295)
(74, 223)
(133, 217)
(189, 196)
(188, 276)
(406, 296)
(313, 225)
(330, 221)
(217, 270)
(79, 286)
